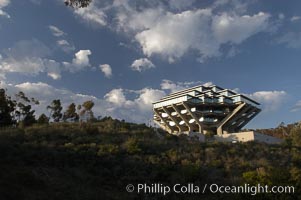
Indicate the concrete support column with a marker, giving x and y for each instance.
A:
(228, 118)
(256, 111)
(173, 119)
(169, 128)
(194, 117)
(182, 116)
(240, 118)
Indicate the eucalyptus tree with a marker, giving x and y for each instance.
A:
(55, 109)
(6, 109)
(70, 114)
(23, 112)
(86, 113)
(43, 119)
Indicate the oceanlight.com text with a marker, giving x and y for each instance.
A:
(190, 188)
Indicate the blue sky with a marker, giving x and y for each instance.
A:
(124, 55)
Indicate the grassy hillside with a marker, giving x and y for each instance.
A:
(96, 161)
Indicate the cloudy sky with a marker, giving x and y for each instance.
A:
(125, 54)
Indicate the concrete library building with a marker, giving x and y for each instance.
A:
(202, 110)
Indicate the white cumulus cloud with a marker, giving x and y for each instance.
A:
(3, 4)
(142, 64)
(270, 100)
(147, 97)
(138, 109)
(53, 69)
(117, 97)
(81, 58)
(29, 57)
(235, 29)
(56, 31)
(65, 46)
(92, 14)
(176, 28)
(79, 62)
(175, 34)
(106, 69)
(295, 18)
(297, 107)
(172, 86)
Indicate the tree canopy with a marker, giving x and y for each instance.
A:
(55, 109)
(43, 119)
(6, 107)
(19, 111)
(86, 113)
(70, 114)
(78, 3)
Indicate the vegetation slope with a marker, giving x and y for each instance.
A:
(97, 160)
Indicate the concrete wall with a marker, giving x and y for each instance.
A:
(247, 136)
(236, 137)
(240, 137)
(266, 138)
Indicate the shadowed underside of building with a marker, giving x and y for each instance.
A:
(202, 110)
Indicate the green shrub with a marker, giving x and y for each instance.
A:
(132, 146)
